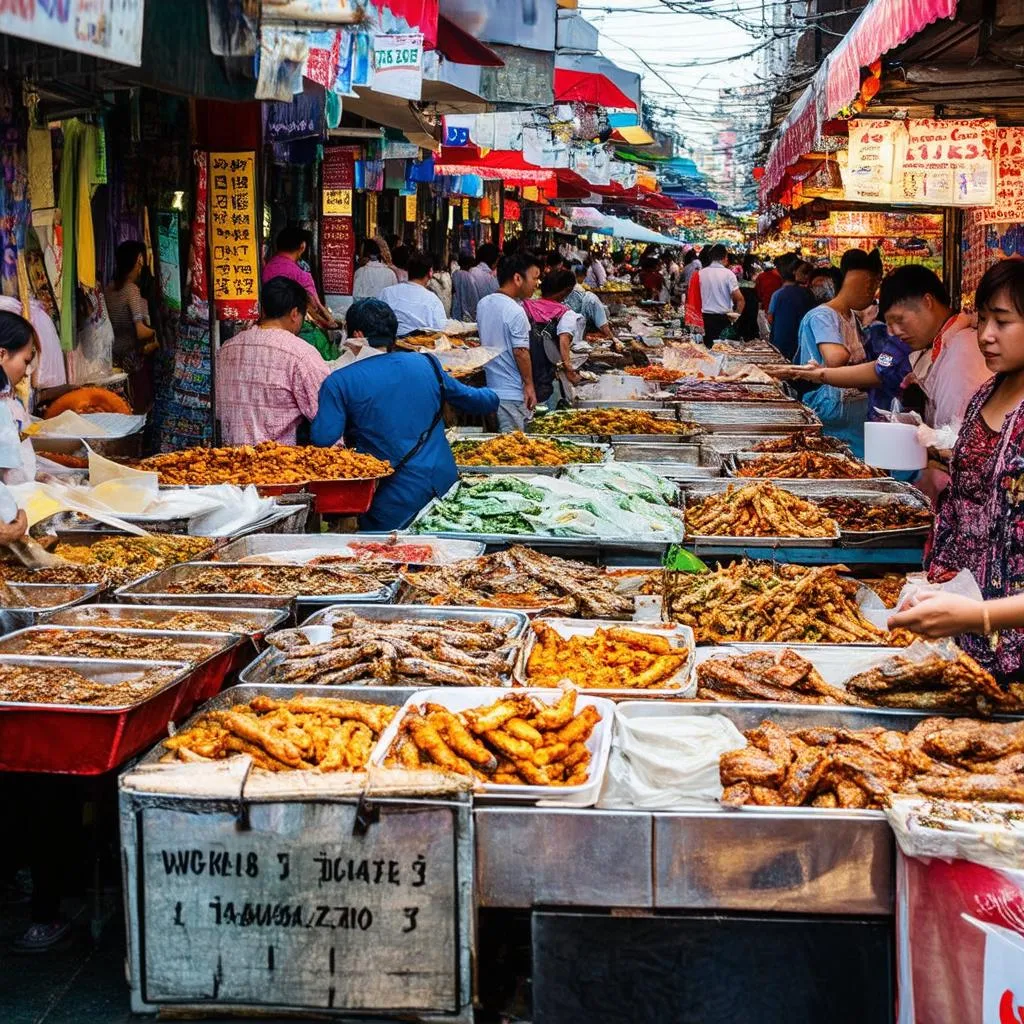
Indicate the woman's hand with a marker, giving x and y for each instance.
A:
(10, 532)
(811, 372)
(935, 614)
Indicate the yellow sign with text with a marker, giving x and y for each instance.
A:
(410, 209)
(233, 239)
(337, 202)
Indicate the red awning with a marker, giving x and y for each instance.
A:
(421, 15)
(590, 88)
(502, 164)
(459, 46)
(882, 26)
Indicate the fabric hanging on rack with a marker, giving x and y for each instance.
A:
(74, 131)
(40, 169)
(85, 242)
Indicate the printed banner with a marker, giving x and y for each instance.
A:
(947, 163)
(170, 270)
(868, 175)
(199, 282)
(398, 65)
(1009, 204)
(338, 255)
(233, 235)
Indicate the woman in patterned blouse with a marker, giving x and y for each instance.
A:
(980, 523)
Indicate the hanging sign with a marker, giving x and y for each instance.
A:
(398, 65)
(410, 209)
(947, 163)
(338, 238)
(233, 238)
(1009, 204)
(111, 29)
(869, 171)
(512, 209)
(337, 202)
(170, 270)
(198, 275)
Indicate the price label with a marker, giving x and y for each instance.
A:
(389, 57)
(298, 911)
(337, 202)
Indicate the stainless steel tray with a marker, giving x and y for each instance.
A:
(759, 392)
(726, 444)
(684, 471)
(737, 459)
(43, 599)
(447, 551)
(605, 450)
(701, 489)
(749, 417)
(151, 590)
(158, 615)
(661, 452)
(657, 406)
(243, 693)
(14, 643)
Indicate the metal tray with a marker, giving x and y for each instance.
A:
(706, 488)
(759, 392)
(460, 699)
(151, 590)
(605, 449)
(75, 739)
(43, 599)
(446, 551)
(657, 406)
(243, 693)
(726, 444)
(159, 615)
(205, 677)
(737, 459)
(682, 635)
(261, 671)
(684, 471)
(749, 417)
(659, 452)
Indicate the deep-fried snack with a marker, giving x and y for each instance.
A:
(757, 510)
(767, 675)
(287, 580)
(605, 422)
(522, 578)
(758, 602)
(447, 652)
(617, 658)
(800, 442)
(518, 740)
(266, 463)
(300, 733)
(807, 465)
(854, 515)
(95, 643)
(517, 449)
(657, 374)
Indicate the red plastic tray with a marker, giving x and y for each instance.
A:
(66, 740)
(343, 497)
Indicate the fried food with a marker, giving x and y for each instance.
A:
(692, 389)
(606, 422)
(809, 465)
(887, 587)
(445, 652)
(522, 578)
(609, 659)
(183, 621)
(854, 515)
(658, 374)
(801, 442)
(31, 684)
(303, 733)
(759, 602)
(517, 449)
(961, 759)
(757, 510)
(113, 644)
(287, 580)
(767, 675)
(517, 741)
(266, 463)
(932, 676)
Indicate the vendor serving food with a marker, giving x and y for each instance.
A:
(393, 407)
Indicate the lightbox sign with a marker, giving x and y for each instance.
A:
(111, 29)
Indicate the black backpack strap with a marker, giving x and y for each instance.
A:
(438, 416)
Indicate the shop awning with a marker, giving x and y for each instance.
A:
(882, 26)
(586, 87)
(504, 164)
(461, 48)
(633, 135)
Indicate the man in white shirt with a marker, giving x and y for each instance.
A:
(720, 295)
(597, 276)
(373, 276)
(416, 306)
(589, 305)
(503, 325)
(472, 285)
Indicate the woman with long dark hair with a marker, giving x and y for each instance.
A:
(134, 339)
(18, 347)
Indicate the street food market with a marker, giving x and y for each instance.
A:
(512, 512)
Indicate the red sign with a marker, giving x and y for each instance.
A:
(512, 209)
(338, 255)
(339, 167)
(197, 255)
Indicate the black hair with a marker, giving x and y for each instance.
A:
(371, 250)
(466, 262)
(717, 253)
(517, 263)
(557, 281)
(510, 246)
(913, 281)
(292, 239)
(553, 260)
(281, 295)
(400, 256)
(438, 262)
(858, 259)
(487, 253)
(827, 271)
(1004, 276)
(418, 266)
(578, 270)
(125, 258)
(689, 257)
(375, 320)
(786, 265)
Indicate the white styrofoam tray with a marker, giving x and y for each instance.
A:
(599, 743)
(683, 682)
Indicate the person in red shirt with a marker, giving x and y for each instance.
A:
(768, 282)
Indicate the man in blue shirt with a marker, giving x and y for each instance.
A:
(788, 306)
(392, 407)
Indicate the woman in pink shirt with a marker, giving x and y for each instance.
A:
(292, 244)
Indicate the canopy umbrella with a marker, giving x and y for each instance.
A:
(588, 87)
